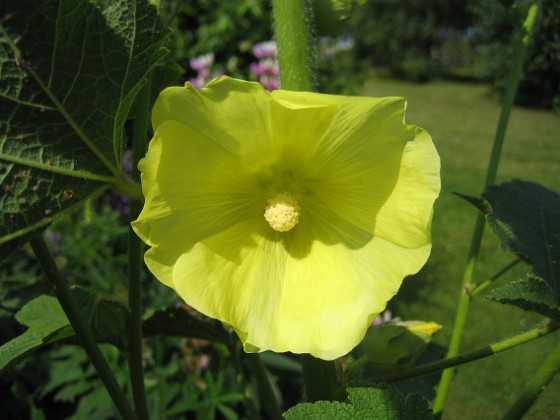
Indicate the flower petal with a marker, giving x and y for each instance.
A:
(193, 189)
(337, 280)
(237, 276)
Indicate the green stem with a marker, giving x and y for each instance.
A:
(292, 27)
(465, 296)
(135, 365)
(235, 352)
(484, 285)
(265, 387)
(535, 386)
(295, 43)
(480, 353)
(80, 326)
(320, 380)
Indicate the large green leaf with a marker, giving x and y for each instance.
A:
(381, 402)
(69, 73)
(526, 218)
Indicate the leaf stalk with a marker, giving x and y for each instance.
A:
(80, 326)
(466, 285)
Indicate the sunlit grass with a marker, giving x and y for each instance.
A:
(462, 119)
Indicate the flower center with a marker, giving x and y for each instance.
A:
(282, 212)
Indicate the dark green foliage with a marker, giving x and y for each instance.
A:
(178, 321)
(45, 319)
(498, 31)
(70, 71)
(58, 380)
(409, 37)
(526, 219)
(532, 294)
(382, 402)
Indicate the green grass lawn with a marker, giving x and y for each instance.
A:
(462, 120)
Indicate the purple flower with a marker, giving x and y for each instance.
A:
(127, 161)
(269, 83)
(384, 318)
(265, 49)
(202, 63)
(56, 240)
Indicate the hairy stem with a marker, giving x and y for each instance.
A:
(265, 387)
(81, 327)
(535, 386)
(292, 27)
(320, 380)
(140, 138)
(480, 353)
(484, 285)
(243, 382)
(464, 298)
(295, 43)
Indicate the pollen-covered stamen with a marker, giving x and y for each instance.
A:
(282, 212)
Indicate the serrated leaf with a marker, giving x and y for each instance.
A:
(533, 294)
(526, 218)
(47, 323)
(69, 72)
(381, 402)
(179, 322)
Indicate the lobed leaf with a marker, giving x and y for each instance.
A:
(381, 402)
(69, 71)
(526, 218)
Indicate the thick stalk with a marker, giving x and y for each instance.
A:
(485, 284)
(535, 386)
(135, 366)
(320, 380)
(292, 27)
(265, 387)
(81, 327)
(242, 381)
(471, 356)
(465, 296)
(292, 20)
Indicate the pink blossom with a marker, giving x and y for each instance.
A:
(265, 49)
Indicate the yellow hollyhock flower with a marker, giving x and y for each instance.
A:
(292, 217)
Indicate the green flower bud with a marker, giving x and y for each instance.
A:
(397, 345)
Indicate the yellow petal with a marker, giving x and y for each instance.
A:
(337, 280)
(237, 277)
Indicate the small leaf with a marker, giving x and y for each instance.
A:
(533, 294)
(46, 322)
(69, 72)
(179, 322)
(382, 402)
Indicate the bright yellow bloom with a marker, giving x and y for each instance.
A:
(291, 216)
